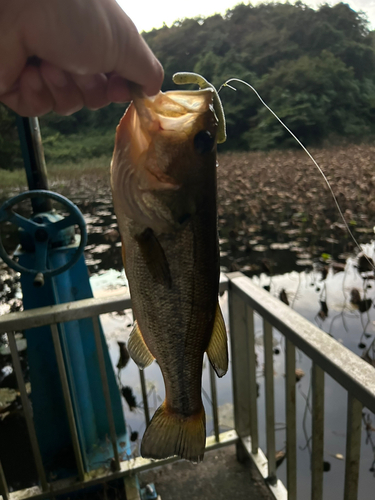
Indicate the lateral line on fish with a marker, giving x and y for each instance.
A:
(225, 84)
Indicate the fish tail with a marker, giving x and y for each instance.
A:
(170, 434)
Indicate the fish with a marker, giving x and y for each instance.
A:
(164, 188)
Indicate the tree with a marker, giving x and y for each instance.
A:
(315, 97)
(10, 153)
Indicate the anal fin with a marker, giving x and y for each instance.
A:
(138, 349)
(217, 350)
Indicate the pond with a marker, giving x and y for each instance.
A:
(299, 251)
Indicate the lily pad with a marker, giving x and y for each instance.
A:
(21, 346)
(260, 248)
(279, 246)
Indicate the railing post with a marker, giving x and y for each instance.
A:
(317, 433)
(270, 403)
(146, 409)
(290, 406)
(68, 401)
(252, 380)
(27, 410)
(240, 365)
(215, 414)
(353, 447)
(107, 396)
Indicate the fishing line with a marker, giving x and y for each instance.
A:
(305, 150)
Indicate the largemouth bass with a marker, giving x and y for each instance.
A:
(163, 178)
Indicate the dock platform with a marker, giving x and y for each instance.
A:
(219, 477)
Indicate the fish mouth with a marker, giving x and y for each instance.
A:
(174, 114)
(158, 153)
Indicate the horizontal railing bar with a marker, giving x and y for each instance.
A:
(350, 371)
(61, 313)
(128, 468)
(69, 311)
(277, 488)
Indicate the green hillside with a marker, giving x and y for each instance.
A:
(315, 68)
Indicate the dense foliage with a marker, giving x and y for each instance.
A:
(315, 68)
(10, 154)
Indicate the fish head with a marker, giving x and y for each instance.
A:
(165, 158)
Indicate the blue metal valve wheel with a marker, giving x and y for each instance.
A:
(43, 233)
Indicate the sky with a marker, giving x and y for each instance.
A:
(148, 15)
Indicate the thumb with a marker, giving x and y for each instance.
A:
(136, 61)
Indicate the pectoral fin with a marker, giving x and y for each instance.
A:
(138, 349)
(217, 350)
(154, 257)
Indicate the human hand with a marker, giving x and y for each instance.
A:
(61, 55)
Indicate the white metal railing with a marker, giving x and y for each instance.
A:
(328, 356)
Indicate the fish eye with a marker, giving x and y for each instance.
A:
(204, 142)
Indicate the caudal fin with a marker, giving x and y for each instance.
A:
(170, 434)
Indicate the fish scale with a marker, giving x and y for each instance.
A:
(169, 317)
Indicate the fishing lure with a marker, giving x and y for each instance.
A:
(185, 78)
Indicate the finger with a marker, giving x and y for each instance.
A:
(30, 96)
(13, 54)
(118, 90)
(135, 60)
(93, 89)
(66, 94)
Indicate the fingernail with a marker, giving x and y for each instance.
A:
(57, 77)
